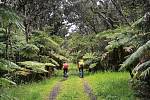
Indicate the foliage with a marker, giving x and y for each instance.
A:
(7, 65)
(142, 70)
(89, 56)
(10, 17)
(141, 88)
(125, 36)
(29, 51)
(44, 42)
(138, 21)
(101, 26)
(59, 58)
(133, 60)
(2, 46)
(90, 60)
(5, 82)
(111, 85)
(36, 90)
(143, 23)
(80, 45)
(2, 36)
(35, 66)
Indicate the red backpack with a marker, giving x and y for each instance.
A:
(65, 65)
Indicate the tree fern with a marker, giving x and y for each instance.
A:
(142, 70)
(29, 51)
(92, 65)
(137, 22)
(60, 57)
(36, 67)
(9, 16)
(42, 40)
(7, 65)
(133, 60)
(89, 59)
(6, 82)
(2, 48)
(145, 73)
(89, 56)
(54, 62)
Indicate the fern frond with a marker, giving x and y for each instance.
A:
(9, 16)
(7, 65)
(137, 22)
(34, 66)
(142, 70)
(89, 56)
(133, 60)
(6, 82)
(145, 73)
(29, 50)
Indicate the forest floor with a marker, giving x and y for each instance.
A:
(94, 86)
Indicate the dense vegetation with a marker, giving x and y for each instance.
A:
(36, 36)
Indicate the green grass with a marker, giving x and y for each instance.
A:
(34, 91)
(72, 89)
(106, 86)
(111, 86)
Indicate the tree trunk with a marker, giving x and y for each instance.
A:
(7, 43)
(8, 30)
(118, 7)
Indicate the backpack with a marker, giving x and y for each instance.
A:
(65, 65)
(81, 64)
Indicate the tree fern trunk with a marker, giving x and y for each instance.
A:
(6, 49)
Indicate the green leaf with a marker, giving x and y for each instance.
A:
(6, 82)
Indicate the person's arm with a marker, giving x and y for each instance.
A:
(78, 65)
(63, 66)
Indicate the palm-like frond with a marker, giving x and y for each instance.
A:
(2, 48)
(92, 65)
(6, 82)
(60, 57)
(134, 58)
(145, 73)
(7, 65)
(42, 40)
(2, 36)
(29, 50)
(89, 56)
(9, 16)
(142, 70)
(54, 62)
(35, 66)
(90, 59)
(137, 22)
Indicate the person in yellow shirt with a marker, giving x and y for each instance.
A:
(80, 67)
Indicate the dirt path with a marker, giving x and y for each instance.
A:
(56, 89)
(88, 90)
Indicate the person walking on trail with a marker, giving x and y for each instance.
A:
(65, 68)
(80, 66)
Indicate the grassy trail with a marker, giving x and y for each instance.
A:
(72, 89)
(104, 86)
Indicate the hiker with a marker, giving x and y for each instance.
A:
(80, 67)
(65, 68)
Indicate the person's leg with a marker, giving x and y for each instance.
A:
(79, 72)
(64, 72)
(67, 72)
